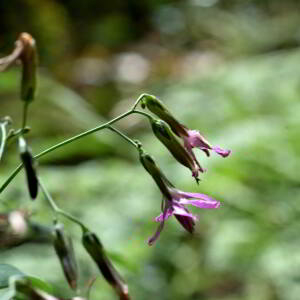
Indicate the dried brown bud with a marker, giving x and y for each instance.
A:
(29, 61)
(95, 249)
(64, 249)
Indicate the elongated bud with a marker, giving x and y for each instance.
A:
(25, 291)
(163, 132)
(28, 162)
(150, 166)
(64, 249)
(29, 61)
(158, 108)
(95, 249)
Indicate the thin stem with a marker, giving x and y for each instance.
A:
(138, 101)
(3, 138)
(25, 113)
(11, 177)
(48, 196)
(125, 137)
(58, 210)
(143, 113)
(72, 139)
(76, 137)
(81, 135)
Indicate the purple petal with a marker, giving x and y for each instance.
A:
(221, 151)
(164, 216)
(201, 203)
(153, 238)
(195, 139)
(180, 194)
(186, 222)
(182, 211)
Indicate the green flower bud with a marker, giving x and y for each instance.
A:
(28, 57)
(28, 162)
(64, 249)
(163, 132)
(95, 249)
(151, 167)
(30, 288)
(25, 291)
(158, 108)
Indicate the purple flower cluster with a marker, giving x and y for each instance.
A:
(174, 200)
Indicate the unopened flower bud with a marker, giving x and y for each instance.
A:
(163, 132)
(28, 162)
(24, 290)
(29, 61)
(151, 167)
(95, 249)
(64, 249)
(159, 109)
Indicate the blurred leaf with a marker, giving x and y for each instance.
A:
(40, 284)
(6, 271)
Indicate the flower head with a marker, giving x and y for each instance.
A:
(176, 207)
(191, 138)
(194, 139)
(174, 200)
(185, 157)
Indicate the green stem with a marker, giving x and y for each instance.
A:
(124, 136)
(72, 139)
(3, 138)
(143, 113)
(138, 101)
(76, 137)
(11, 177)
(58, 210)
(81, 135)
(25, 113)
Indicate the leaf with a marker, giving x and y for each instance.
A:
(7, 295)
(6, 271)
(40, 284)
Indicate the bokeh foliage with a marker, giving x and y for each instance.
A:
(229, 69)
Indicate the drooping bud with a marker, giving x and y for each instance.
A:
(158, 108)
(28, 162)
(150, 166)
(95, 249)
(163, 132)
(25, 290)
(29, 61)
(64, 249)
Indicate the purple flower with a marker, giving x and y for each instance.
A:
(193, 139)
(176, 207)
(174, 200)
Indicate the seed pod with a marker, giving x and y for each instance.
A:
(158, 108)
(163, 132)
(28, 162)
(64, 249)
(95, 249)
(29, 61)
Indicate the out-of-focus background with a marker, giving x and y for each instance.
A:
(229, 68)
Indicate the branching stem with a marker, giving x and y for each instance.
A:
(58, 210)
(81, 135)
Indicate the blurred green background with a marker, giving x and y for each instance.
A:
(229, 68)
